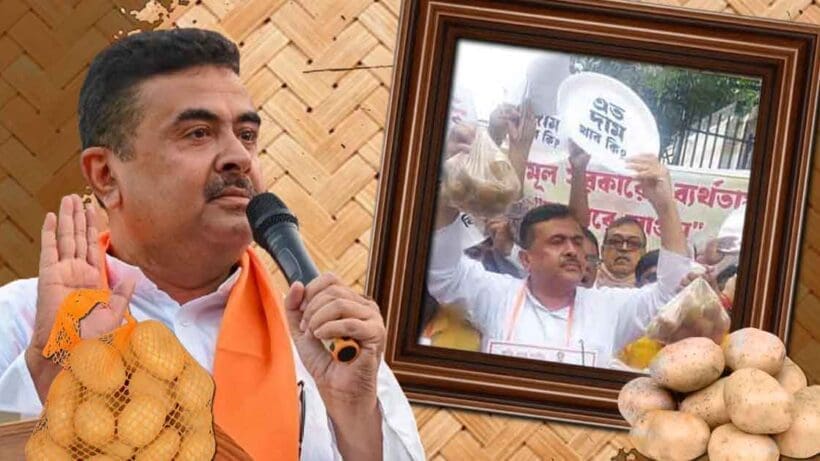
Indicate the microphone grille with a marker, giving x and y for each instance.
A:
(268, 221)
(263, 204)
(266, 210)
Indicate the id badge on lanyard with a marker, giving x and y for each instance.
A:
(566, 354)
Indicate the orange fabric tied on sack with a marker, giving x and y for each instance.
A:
(66, 330)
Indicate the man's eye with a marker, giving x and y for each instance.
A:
(248, 135)
(199, 133)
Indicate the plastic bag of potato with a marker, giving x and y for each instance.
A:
(695, 311)
(481, 182)
(135, 393)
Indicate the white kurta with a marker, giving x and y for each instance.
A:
(196, 325)
(603, 319)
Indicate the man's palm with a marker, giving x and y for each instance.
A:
(70, 260)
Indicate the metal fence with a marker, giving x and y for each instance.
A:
(723, 140)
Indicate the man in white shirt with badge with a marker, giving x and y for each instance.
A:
(170, 150)
(548, 315)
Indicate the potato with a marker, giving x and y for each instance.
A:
(97, 365)
(94, 422)
(791, 377)
(195, 388)
(687, 365)
(708, 404)
(802, 440)
(197, 445)
(202, 419)
(728, 443)
(41, 448)
(118, 450)
(63, 397)
(756, 402)
(162, 449)
(144, 383)
(670, 435)
(753, 348)
(157, 349)
(141, 420)
(641, 395)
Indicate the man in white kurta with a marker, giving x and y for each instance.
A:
(170, 150)
(549, 315)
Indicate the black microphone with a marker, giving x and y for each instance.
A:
(276, 230)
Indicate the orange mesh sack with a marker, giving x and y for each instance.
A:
(133, 394)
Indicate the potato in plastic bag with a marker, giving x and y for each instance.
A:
(481, 182)
(695, 311)
(134, 393)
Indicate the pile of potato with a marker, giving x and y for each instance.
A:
(760, 410)
(151, 401)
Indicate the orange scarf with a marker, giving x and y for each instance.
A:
(254, 372)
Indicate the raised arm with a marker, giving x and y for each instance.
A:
(519, 124)
(656, 184)
(578, 195)
(673, 262)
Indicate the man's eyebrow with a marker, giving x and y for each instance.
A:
(249, 117)
(196, 114)
(209, 116)
(566, 236)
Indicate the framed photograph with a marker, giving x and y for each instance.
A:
(554, 169)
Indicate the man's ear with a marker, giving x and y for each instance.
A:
(95, 163)
(524, 257)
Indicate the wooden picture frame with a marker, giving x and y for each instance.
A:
(783, 55)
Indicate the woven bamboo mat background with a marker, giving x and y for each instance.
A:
(323, 138)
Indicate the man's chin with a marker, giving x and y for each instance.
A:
(573, 276)
(622, 274)
(232, 232)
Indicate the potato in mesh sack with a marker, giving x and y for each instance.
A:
(481, 182)
(135, 393)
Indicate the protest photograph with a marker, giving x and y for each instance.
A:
(590, 209)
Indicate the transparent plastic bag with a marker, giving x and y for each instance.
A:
(133, 394)
(695, 311)
(481, 182)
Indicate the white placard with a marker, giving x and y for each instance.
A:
(606, 119)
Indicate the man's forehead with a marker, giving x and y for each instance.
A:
(559, 226)
(216, 89)
(627, 228)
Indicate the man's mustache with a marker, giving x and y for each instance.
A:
(570, 259)
(216, 187)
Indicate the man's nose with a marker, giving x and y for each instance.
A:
(234, 156)
(571, 249)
